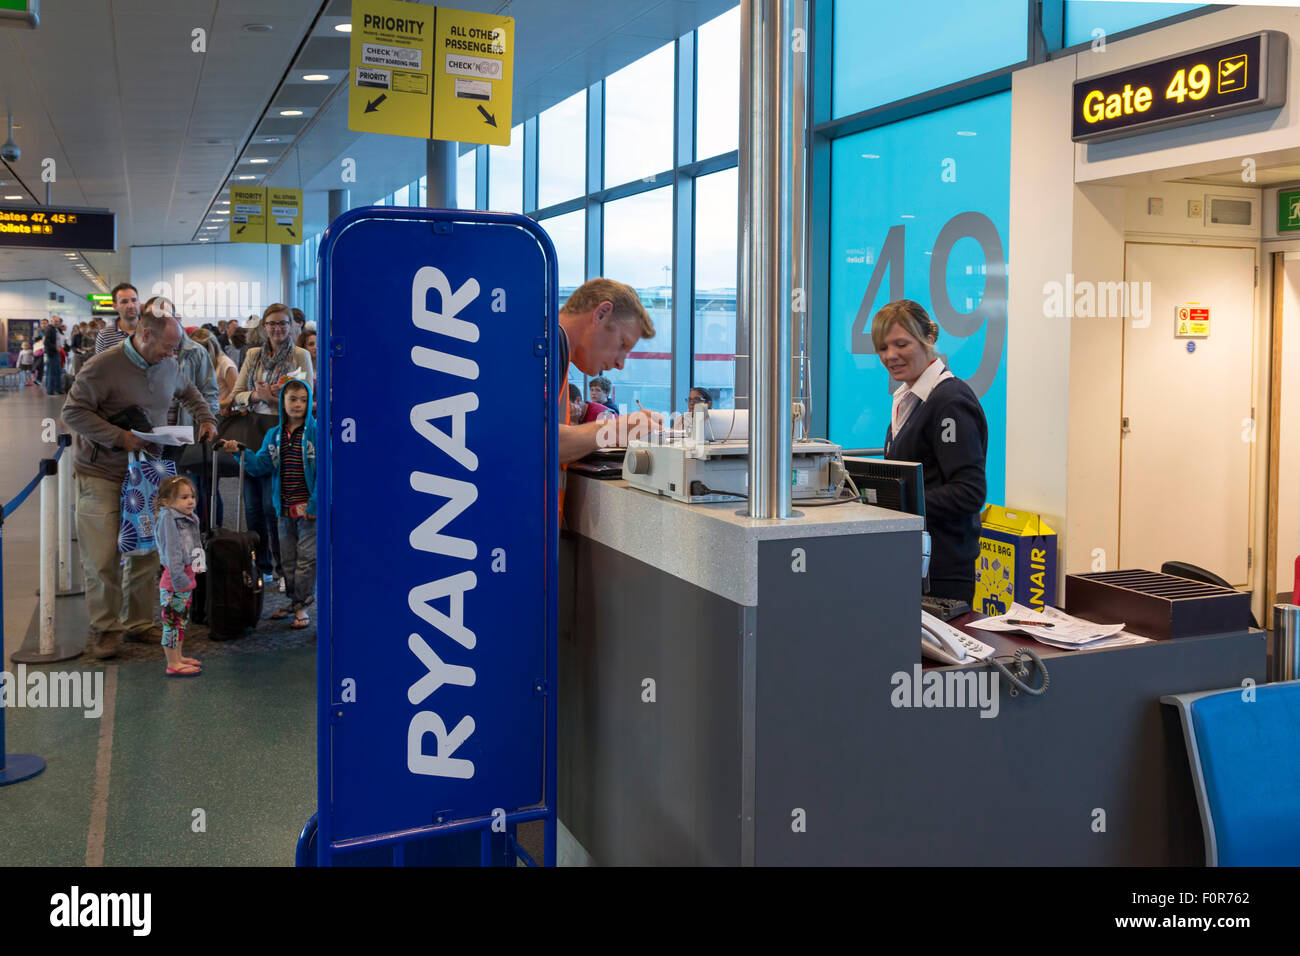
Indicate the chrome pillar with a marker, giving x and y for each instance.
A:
(771, 205)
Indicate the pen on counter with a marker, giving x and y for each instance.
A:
(638, 404)
(1030, 623)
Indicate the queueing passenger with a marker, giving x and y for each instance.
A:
(265, 370)
(53, 361)
(126, 302)
(179, 544)
(937, 421)
(697, 396)
(288, 455)
(141, 372)
(27, 363)
(599, 391)
(580, 412)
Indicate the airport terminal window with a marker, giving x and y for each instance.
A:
(920, 210)
(713, 365)
(568, 234)
(466, 170)
(1082, 17)
(717, 86)
(638, 250)
(562, 151)
(886, 52)
(639, 118)
(402, 196)
(506, 174)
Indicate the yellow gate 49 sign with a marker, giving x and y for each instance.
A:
(390, 88)
(284, 216)
(474, 78)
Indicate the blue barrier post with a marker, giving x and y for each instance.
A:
(13, 767)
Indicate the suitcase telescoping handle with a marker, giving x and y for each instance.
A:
(239, 501)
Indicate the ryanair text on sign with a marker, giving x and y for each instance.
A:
(458, 497)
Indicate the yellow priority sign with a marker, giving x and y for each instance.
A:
(472, 92)
(390, 86)
(247, 214)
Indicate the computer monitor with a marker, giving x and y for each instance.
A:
(897, 485)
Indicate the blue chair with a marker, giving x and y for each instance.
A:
(1245, 759)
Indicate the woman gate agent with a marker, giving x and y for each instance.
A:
(936, 420)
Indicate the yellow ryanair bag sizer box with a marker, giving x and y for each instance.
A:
(1017, 561)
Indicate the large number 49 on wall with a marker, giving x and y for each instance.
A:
(991, 314)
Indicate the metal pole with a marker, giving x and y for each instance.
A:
(440, 173)
(65, 528)
(49, 542)
(288, 278)
(767, 199)
(1286, 642)
(339, 203)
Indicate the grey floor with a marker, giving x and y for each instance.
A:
(214, 770)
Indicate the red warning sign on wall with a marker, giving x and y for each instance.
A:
(1192, 321)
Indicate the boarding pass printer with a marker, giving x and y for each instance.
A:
(708, 461)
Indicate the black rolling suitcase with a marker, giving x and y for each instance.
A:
(231, 590)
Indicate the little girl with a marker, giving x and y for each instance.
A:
(27, 363)
(180, 552)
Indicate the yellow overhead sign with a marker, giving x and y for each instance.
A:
(390, 84)
(284, 216)
(474, 77)
(247, 214)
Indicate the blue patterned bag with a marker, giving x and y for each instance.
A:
(144, 474)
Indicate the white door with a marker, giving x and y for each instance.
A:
(1185, 456)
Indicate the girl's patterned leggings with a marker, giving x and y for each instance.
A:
(175, 610)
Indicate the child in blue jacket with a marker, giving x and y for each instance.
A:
(288, 454)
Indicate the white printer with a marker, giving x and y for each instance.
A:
(705, 463)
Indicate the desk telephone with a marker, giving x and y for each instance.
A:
(943, 642)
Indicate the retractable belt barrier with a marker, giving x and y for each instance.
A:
(55, 537)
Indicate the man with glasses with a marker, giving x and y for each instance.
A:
(136, 378)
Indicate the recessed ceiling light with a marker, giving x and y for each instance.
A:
(271, 139)
(221, 212)
(13, 197)
(315, 77)
(223, 202)
(247, 177)
(256, 162)
(343, 27)
(258, 28)
(203, 238)
(290, 112)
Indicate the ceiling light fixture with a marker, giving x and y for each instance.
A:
(13, 197)
(247, 177)
(343, 27)
(290, 112)
(256, 162)
(221, 212)
(258, 28)
(315, 77)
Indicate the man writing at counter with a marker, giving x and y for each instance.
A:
(600, 323)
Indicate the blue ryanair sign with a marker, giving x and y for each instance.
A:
(436, 667)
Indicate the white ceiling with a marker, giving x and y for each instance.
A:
(135, 120)
(139, 123)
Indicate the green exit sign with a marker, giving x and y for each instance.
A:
(1288, 210)
(20, 13)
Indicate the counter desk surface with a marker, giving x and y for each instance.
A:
(727, 697)
(713, 546)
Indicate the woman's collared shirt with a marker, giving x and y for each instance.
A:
(908, 398)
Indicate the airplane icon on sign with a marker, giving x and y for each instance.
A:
(1232, 73)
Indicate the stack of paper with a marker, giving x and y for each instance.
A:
(1059, 629)
(168, 435)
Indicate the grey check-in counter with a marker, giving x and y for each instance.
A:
(738, 691)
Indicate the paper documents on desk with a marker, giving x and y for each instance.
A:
(168, 435)
(1066, 632)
